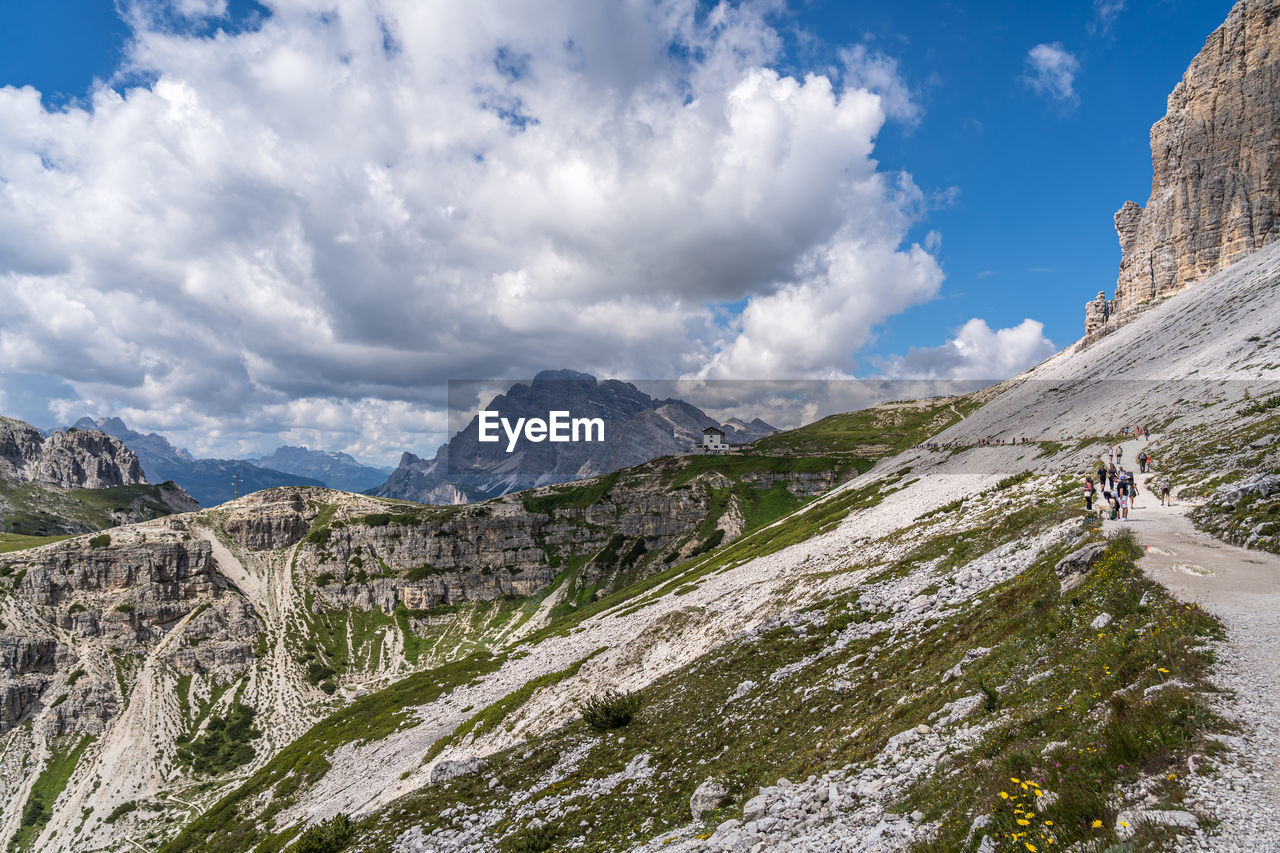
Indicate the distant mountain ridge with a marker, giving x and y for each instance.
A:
(335, 469)
(209, 481)
(637, 428)
(73, 459)
(75, 481)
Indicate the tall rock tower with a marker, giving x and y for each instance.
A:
(1215, 193)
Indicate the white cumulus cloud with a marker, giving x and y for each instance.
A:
(976, 352)
(1051, 72)
(350, 202)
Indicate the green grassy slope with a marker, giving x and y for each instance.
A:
(34, 509)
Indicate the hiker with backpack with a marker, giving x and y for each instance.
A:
(1088, 493)
(1165, 485)
(1142, 461)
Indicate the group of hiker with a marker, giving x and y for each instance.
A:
(981, 442)
(1119, 487)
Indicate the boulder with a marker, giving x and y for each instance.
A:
(446, 771)
(1071, 569)
(1127, 821)
(708, 797)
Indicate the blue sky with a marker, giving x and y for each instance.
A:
(1038, 181)
(295, 221)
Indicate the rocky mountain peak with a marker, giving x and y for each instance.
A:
(638, 428)
(74, 459)
(1215, 189)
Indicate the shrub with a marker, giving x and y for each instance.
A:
(419, 573)
(610, 710)
(328, 836)
(324, 578)
(713, 541)
(529, 840)
(121, 810)
(225, 743)
(991, 699)
(102, 540)
(317, 672)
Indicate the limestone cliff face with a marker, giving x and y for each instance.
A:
(1215, 193)
(75, 459)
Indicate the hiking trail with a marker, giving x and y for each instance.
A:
(1242, 588)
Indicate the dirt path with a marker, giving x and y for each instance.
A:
(1242, 588)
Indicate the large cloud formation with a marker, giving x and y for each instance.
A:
(307, 225)
(976, 352)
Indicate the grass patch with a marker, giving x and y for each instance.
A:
(47, 788)
(231, 826)
(572, 497)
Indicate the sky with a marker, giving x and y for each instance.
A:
(246, 224)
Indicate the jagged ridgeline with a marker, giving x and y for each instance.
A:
(219, 637)
(74, 481)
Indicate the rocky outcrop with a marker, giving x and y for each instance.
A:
(1215, 192)
(74, 459)
(21, 655)
(1072, 569)
(17, 699)
(279, 520)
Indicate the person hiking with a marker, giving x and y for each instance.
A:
(1102, 475)
(1142, 462)
(1112, 477)
(1088, 493)
(1165, 485)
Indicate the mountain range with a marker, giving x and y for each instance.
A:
(637, 428)
(209, 481)
(335, 469)
(74, 481)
